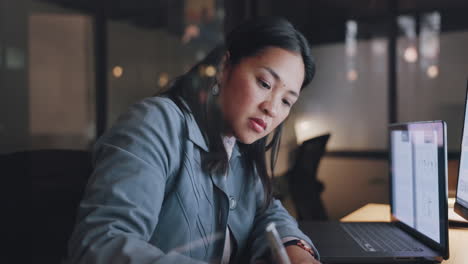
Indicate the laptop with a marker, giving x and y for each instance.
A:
(461, 202)
(418, 231)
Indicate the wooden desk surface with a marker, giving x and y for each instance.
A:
(458, 237)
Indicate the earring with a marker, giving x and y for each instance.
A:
(215, 90)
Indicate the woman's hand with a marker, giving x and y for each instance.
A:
(298, 255)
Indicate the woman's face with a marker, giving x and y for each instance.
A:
(257, 94)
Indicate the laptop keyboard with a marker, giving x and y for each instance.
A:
(378, 237)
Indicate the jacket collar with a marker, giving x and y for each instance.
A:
(196, 136)
(194, 133)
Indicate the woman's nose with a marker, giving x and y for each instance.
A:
(269, 108)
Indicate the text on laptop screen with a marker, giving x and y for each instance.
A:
(415, 168)
(462, 189)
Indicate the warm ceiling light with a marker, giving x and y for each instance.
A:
(117, 71)
(411, 54)
(163, 79)
(432, 71)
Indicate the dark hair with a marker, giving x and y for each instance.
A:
(193, 89)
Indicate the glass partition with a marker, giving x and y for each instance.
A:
(143, 59)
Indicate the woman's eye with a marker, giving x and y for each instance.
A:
(264, 84)
(286, 102)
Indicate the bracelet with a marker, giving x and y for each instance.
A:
(300, 243)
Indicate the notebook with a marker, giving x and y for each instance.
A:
(418, 231)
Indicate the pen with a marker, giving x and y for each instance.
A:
(277, 248)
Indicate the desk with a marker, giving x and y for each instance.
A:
(458, 237)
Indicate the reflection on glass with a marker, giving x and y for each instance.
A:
(430, 43)
(61, 80)
(15, 58)
(153, 55)
(407, 25)
(351, 50)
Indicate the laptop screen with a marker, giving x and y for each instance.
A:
(418, 177)
(462, 185)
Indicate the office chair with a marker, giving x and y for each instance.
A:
(304, 187)
(58, 179)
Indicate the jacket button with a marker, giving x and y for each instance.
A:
(232, 203)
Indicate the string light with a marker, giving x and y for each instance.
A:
(117, 71)
(411, 54)
(432, 71)
(352, 75)
(163, 79)
(210, 71)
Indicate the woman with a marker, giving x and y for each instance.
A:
(182, 177)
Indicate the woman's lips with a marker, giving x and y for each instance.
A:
(257, 124)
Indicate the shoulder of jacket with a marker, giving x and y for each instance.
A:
(153, 106)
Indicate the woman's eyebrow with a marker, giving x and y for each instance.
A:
(272, 72)
(278, 79)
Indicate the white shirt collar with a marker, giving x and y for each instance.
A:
(229, 143)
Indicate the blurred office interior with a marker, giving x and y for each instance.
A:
(69, 68)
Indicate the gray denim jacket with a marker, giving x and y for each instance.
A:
(149, 201)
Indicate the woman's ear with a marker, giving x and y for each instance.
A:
(224, 68)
